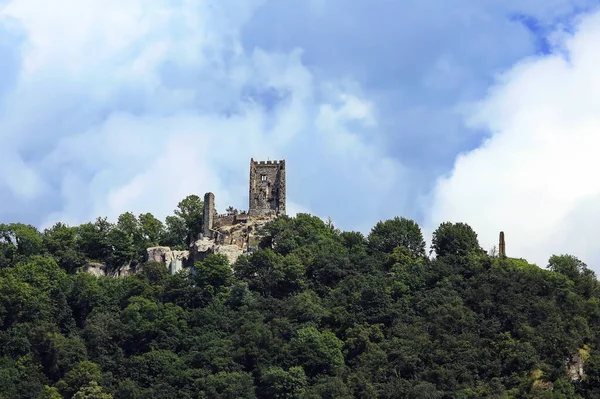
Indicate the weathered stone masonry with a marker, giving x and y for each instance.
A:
(267, 188)
(209, 214)
(231, 235)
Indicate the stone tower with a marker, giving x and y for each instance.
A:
(267, 188)
(209, 214)
(502, 245)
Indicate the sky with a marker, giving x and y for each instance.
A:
(483, 112)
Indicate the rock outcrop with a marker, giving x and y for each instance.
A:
(128, 270)
(101, 270)
(95, 269)
(575, 365)
(166, 255)
(205, 246)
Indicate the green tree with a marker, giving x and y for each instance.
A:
(92, 391)
(562, 389)
(270, 273)
(457, 239)
(591, 383)
(285, 234)
(567, 265)
(153, 229)
(329, 387)
(17, 301)
(18, 241)
(28, 239)
(319, 352)
(278, 383)
(176, 233)
(304, 307)
(123, 248)
(586, 283)
(230, 385)
(94, 241)
(129, 224)
(213, 271)
(21, 378)
(8, 248)
(80, 376)
(386, 236)
(60, 241)
(51, 393)
(191, 210)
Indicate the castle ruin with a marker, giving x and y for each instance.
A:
(233, 234)
(266, 197)
(236, 233)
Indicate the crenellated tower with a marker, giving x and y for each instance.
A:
(267, 188)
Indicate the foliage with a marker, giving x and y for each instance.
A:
(457, 239)
(387, 235)
(191, 211)
(313, 312)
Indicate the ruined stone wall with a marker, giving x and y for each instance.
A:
(223, 221)
(234, 240)
(228, 220)
(209, 214)
(267, 188)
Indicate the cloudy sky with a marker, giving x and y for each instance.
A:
(486, 112)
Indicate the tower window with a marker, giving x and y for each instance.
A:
(263, 177)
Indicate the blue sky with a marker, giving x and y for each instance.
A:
(380, 108)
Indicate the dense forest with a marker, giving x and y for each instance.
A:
(313, 313)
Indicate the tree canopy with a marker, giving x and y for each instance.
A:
(314, 312)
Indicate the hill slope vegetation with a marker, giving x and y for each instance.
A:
(314, 313)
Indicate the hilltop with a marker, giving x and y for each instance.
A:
(311, 312)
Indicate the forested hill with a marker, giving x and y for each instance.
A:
(314, 313)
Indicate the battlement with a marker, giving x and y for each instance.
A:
(273, 163)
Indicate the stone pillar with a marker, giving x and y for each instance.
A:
(209, 214)
(281, 196)
(502, 245)
(251, 185)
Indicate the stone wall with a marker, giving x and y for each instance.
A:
(230, 240)
(267, 188)
(224, 220)
(229, 220)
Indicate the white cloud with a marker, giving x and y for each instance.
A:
(535, 178)
(137, 105)
(130, 107)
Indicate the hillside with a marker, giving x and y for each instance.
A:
(313, 313)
